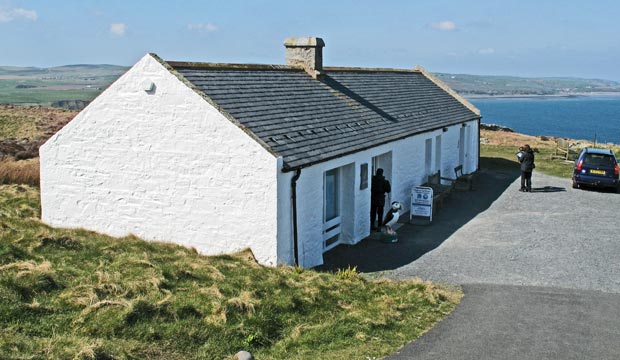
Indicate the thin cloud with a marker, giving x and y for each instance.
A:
(486, 51)
(118, 29)
(480, 24)
(7, 15)
(203, 28)
(445, 25)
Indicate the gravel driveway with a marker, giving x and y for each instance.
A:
(556, 236)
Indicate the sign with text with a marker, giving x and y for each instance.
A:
(421, 202)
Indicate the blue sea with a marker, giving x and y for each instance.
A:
(574, 117)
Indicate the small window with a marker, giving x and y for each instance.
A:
(363, 176)
(599, 160)
(332, 187)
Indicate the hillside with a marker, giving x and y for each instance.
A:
(476, 85)
(73, 86)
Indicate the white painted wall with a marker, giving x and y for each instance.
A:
(407, 171)
(164, 166)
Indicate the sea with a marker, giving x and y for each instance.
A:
(582, 117)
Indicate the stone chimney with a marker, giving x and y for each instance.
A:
(306, 52)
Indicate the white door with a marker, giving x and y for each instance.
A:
(438, 155)
(462, 146)
(467, 149)
(428, 148)
(332, 199)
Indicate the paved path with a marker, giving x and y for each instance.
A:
(524, 322)
(540, 271)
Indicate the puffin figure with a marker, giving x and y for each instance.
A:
(392, 217)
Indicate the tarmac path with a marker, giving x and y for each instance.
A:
(540, 270)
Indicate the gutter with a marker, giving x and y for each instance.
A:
(294, 199)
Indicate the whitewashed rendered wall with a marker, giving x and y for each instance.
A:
(164, 166)
(408, 156)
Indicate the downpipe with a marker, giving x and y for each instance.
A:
(294, 200)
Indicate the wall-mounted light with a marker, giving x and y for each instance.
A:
(148, 86)
(445, 129)
(463, 125)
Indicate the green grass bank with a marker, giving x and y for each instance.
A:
(75, 294)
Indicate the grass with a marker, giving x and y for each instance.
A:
(501, 145)
(75, 294)
(31, 122)
(46, 97)
(24, 172)
(17, 125)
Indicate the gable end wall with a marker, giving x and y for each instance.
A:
(164, 166)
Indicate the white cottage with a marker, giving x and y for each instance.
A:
(221, 157)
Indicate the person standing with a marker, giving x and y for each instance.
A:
(378, 188)
(527, 166)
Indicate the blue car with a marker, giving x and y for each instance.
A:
(596, 168)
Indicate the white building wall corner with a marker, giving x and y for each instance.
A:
(163, 165)
(408, 159)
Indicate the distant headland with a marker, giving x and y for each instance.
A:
(73, 86)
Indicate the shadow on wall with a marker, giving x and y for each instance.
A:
(371, 255)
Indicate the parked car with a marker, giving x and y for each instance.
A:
(596, 168)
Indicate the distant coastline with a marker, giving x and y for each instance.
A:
(536, 96)
(573, 116)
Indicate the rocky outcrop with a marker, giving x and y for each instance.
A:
(20, 149)
(494, 127)
(70, 104)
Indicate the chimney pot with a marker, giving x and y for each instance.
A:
(306, 52)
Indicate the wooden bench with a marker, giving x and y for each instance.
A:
(462, 178)
(563, 151)
(440, 191)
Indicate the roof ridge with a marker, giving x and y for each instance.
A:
(210, 65)
(447, 89)
(363, 69)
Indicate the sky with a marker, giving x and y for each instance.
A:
(522, 37)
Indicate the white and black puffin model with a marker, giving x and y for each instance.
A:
(392, 217)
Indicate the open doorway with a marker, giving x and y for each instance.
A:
(384, 161)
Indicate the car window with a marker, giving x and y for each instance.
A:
(599, 160)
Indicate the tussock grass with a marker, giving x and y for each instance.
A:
(74, 294)
(19, 172)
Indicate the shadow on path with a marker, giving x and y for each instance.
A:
(601, 190)
(547, 189)
(371, 255)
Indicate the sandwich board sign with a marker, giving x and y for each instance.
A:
(421, 202)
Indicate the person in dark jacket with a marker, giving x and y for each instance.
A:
(378, 188)
(527, 165)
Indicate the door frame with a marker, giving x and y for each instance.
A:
(332, 227)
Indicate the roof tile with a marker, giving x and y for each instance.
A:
(308, 120)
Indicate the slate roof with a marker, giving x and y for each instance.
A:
(307, 120)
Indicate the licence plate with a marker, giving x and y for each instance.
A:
(598, 172)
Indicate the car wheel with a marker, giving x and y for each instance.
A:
(575, 185)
